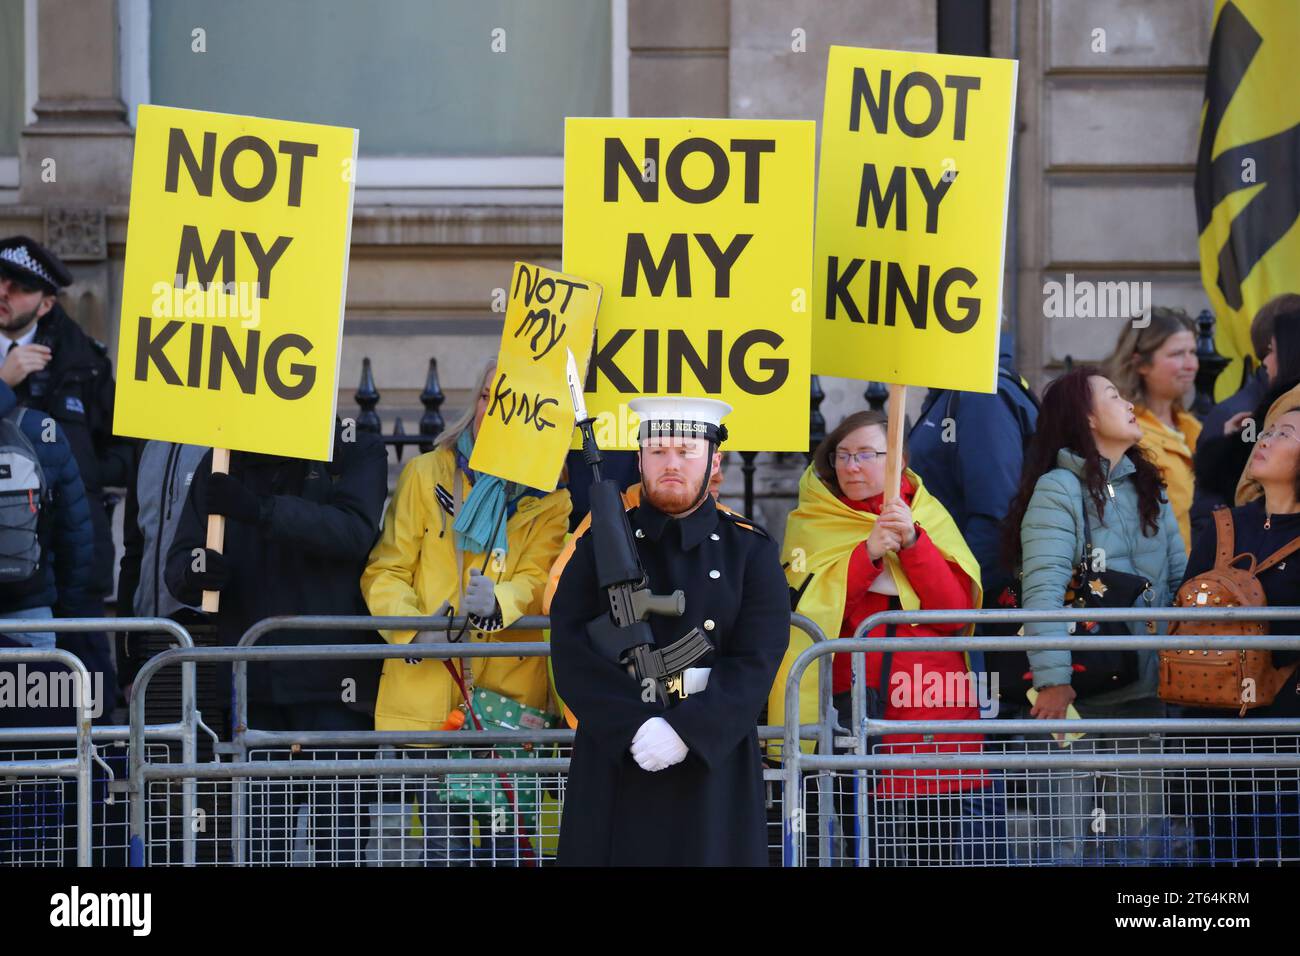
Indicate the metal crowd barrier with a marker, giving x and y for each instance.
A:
(863, 767)
(83, 734)
(378, 755)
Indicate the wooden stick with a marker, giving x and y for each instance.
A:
(216, 526)
(894, 441)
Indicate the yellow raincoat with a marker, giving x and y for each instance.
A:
(820, 536)
(413, 569)
(1172, 453)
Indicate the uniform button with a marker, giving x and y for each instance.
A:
(715, 574)
(640, 533)
(715, 537)
(708, 625)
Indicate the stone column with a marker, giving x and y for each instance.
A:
(76, 157)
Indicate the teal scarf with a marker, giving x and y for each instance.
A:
(483, 510)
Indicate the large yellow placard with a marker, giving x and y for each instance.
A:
(528, 425)
(911, 217)
(233, 290)
(700, 231)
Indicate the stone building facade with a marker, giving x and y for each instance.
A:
(1109, 103)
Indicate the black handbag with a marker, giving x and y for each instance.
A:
(1094, 672)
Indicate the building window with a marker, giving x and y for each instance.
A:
(13, 88)
(447, 94)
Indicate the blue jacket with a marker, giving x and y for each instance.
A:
(1051, 538)
(975, 473)
(68, 549)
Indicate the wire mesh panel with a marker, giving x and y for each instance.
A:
(38, 814)
(1241, 816)
(425, 818)
(1063, 815)
(431, 818)
(207, 823)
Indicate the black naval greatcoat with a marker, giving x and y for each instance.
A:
(708, 809)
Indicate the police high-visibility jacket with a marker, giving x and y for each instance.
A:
(413, 569)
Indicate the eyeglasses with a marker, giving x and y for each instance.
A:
(1273, 433)
(846, 458)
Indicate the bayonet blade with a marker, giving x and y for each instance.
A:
(575, 388)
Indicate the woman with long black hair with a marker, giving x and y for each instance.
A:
(1091, 514)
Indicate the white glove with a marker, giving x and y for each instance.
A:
(695, 679)
(657, 746)
(480, 599)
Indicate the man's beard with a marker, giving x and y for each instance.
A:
(17, 322)
(673, 499)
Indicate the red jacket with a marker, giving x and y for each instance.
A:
(939, 584)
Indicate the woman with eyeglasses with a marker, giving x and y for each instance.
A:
(1222, 458)
(849, 554)
(1253, 816)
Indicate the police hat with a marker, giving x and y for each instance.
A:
(680, 416)
(27, 261)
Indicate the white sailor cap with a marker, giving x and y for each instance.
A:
(681, 416)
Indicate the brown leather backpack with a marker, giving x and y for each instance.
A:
(1224, 678)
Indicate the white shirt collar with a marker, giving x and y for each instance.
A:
(25, 340)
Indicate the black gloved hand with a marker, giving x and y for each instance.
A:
(207, 571)
(227, 496)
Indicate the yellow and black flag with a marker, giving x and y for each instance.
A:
(1248, 169)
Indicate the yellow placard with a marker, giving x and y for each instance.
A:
(700, 230)
(911, 217)
(529, 421)
(233, 290)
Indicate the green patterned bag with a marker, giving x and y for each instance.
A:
(495, 796)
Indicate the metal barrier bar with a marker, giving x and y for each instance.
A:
(239, 673)
(826, 724)
(974, 761)
(187, 726)
(102, 733)
(861, 644)
(451, 738)
(80, 767)
(246, 738)
(1099, 725)
(364, 768)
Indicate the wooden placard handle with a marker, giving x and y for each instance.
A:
(216, 526)
(894, 441)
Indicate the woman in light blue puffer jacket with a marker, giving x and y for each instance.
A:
(1085, 454)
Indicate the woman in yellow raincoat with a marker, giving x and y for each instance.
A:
(473, 542)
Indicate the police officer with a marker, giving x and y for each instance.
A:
(54, 367)
(675, 781)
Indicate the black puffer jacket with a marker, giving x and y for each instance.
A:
(307, 559)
